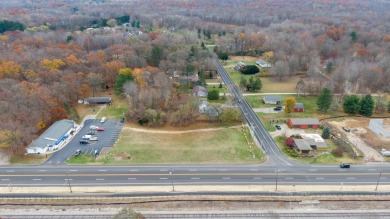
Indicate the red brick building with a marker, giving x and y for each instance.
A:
(304, 123)
(299, 107)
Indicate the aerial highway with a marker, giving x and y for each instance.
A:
(277, 170)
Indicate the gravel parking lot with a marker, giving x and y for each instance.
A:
(106, 138)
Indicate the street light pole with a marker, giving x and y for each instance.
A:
(67, 178)
(377, 183)
(173, 186)
(276, 181)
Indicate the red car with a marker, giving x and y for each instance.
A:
(100, 129)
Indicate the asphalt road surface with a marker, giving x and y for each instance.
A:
(106, 138)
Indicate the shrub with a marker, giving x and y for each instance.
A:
(290, 142)
(326, 133)
(213, 95)
(250, 70)
(337, 152)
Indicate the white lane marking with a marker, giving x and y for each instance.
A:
(371, 169)
(257, 178)
(133, 170)
(73, 170)
(226, 178)
(163, 178)
(320, 178)
(37, 179)
(102, 170)
(193, 170)
(131, 178)
(254, 170)
(68, 179)
(58, 162)
(163, 170)
(351, 178)
(50, 161)
(289, 178)
(4, 179)
(280, 170)
(383, 177)
(10, 171)
(312, 170)
(222, 169)
(100, 179)
(195, 178)
(341, 170)
(42, 170)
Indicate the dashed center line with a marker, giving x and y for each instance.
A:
(42, 170)
(102, 170)
(131, 178)
(312, 170)
(100, 179)
(163, 178)
(68, 179)
(351, 178)
(4, 179)
(37, 179)
(222, 169)
(133, 170)
(195, 178)
(193, 170)
(320, 178)
(289, 178)
(226, 178)
(163, 170)
(371, 169)
(254, 170)
(257, 178)
(73, 170)
(10, 171)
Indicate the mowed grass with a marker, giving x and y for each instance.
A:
(224, 146)
(117, 109)
(29, 159)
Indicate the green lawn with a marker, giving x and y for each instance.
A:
(30, 159)
(213, 147)
(117, 108)
(81, 159)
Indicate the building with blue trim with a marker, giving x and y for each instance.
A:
(53, 138)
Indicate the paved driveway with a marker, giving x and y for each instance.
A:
(106, 138)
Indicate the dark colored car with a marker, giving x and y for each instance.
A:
(90, 133)
(278, 127)
(122, 120)
(84, 141)
(345, 165)
(278, 108)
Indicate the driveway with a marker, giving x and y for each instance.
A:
(106, 138)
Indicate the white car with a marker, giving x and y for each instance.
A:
(103, 120)
(93, 127)
(93, 138)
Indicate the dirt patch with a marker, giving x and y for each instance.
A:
(359, 136)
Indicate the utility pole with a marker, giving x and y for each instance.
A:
(67, 178)
(276, 181)
(173, 186)
(377, 183)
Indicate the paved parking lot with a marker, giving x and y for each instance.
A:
(106, 138)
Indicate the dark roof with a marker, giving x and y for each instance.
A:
(305, 121)
(271, 98)
(53, 134)
(299, 106)
(98, 99)
(302, 145)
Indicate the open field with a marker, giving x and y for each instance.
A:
(221, 146)
(116, 110)
(29, 159)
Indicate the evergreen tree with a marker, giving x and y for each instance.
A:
(213, 95)
(324, 100)
(257, 84)
(243, 83)
(156, 56)
(388, 107)
(351, 104)
(353, 36)
(367, 105)
(326, 133)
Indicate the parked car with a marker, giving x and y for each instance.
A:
(78, 152)
(278, 127)
(91, 133)
(346, 129)
(345, 165)
(93, 127)
(86, 137)
(103, 120)
(122, 120)
(93, 138)
(100, 129)
(82, 141)
(278, 108)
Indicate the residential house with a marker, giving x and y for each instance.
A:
(53, 138)
(315, 141)
(202, 106)
(271, 100)
(239, 66)
(304, 123)
(263, 63)
(97, 100)
(299, 107)
(302, 147)
(199, 91)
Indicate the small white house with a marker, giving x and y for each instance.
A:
(271, 100)
(53, 138)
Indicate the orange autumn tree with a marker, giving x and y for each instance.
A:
(289, 104)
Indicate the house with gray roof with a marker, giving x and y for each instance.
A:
(299, 107)
(97, 100)
(53, 138)
(301, 146)
(271, 99)
(199, 91)
(304, 123)
(263, 63)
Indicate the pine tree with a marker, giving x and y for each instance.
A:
(388, 107)
(367, 105)
(351, 104)
(326, 133)
(324, 100)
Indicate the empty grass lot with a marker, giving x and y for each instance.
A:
(116, 110)
(223, 146)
